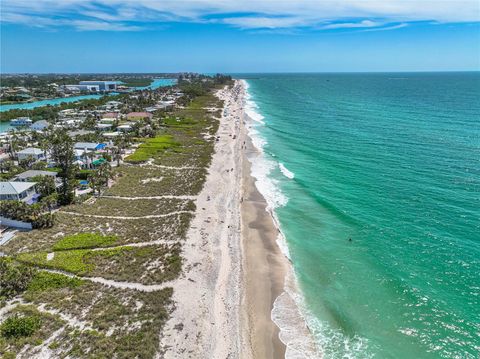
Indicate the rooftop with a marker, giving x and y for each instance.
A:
(31, 151)
(34, 173)
(15, 187)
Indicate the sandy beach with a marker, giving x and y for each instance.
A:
(234, 269)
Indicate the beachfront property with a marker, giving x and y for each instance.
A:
(21, 121)
(18, 191)
(102, 85)
(34, 153)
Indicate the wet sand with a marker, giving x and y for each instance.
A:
(264, 267)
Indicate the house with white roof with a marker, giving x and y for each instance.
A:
(31, 152)
(28, 175)
(20, 191)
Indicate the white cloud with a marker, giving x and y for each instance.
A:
(122, 15)
(349, 25)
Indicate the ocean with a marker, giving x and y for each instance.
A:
(374, 180)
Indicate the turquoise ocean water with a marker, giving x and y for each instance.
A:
(392, 162)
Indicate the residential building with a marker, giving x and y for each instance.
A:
(103, 126)
(20, 191)
(89, 146)
(31, 152)
(21, 121)
(124, 128)
(39, 125)
(28, 175)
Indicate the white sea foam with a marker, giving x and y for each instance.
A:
(303, 334)
(286, 314)
(251, 107)
(285, 171)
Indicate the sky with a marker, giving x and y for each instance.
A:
(234, 36)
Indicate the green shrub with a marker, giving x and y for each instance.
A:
(45, 280)
(17, 326)
(70, 261)
(14, 277)
(151, 147)
(84, 240)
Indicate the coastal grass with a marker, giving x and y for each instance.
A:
(69, 261)
(153, 264)
(132, 208)
(169, 229)
(84, 240)
(43, 281)
(116, 320)
(150, 147)
(26, 326)
(149, 181)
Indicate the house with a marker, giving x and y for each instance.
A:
(124, 128)
(107, 120)
(138, 115)
(103, 126)
(31, 152)
(111, 134)
(21, 121)
(28, 175)
(20, 191)
(89, 146)
(39, 125)
(114, 115)
(79, 133)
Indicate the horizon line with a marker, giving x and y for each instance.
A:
(231, 73)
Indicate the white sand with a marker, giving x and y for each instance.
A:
(206, 322)
(223, 305)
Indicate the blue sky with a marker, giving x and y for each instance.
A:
(239, 36)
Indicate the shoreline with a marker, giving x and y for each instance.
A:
(265, 267)
(285, 326)
(223, 307)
